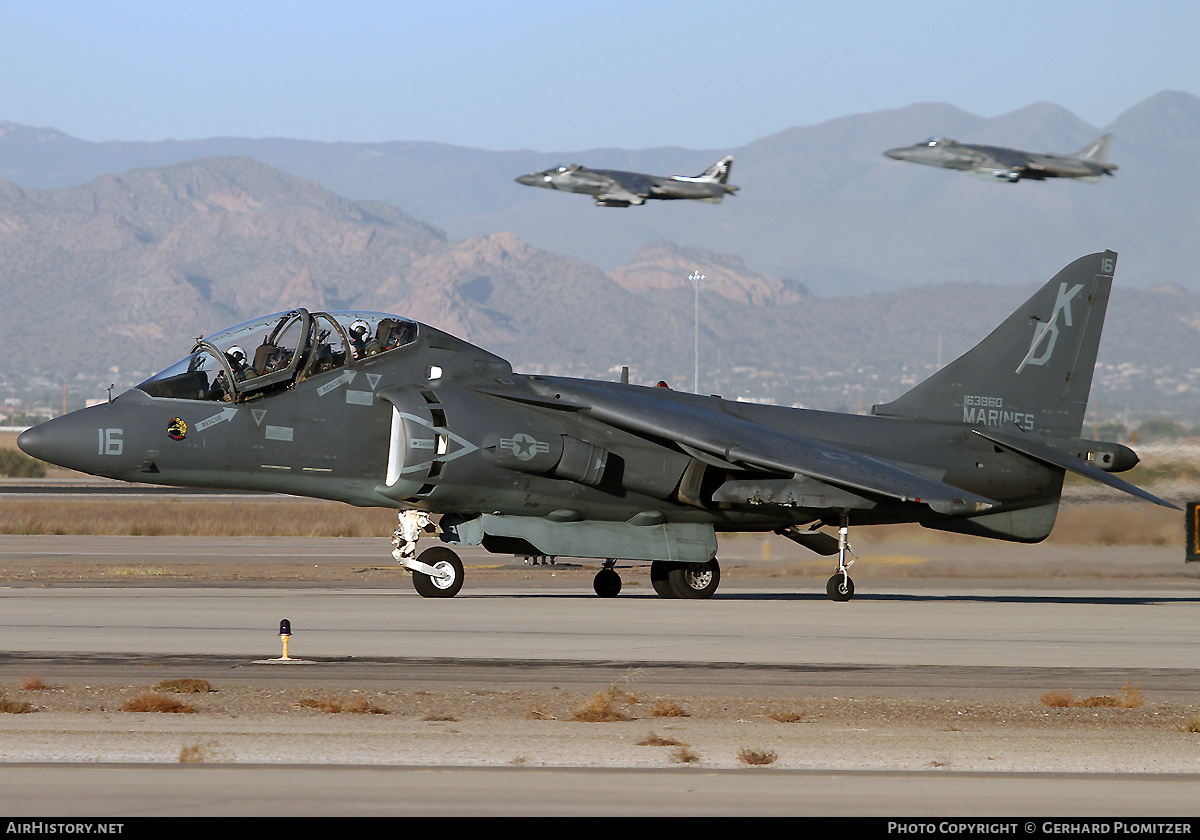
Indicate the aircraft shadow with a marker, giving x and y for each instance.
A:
(1048, 598)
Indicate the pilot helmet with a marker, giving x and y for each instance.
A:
(236, 353)
(360, 328)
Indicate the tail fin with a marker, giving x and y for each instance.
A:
(1034, 371)
(718, 172)
(1097, 150)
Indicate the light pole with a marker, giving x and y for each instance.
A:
(696, 277)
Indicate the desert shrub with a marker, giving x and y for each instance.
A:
(1131, 698)
(14, 707)
(757, 757)
(184, 686)
(152, 701)
(666, 708)
(333, 706)
(16, 464)
(653, 740)
(604, 707)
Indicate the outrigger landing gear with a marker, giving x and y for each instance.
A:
(607, 582)
(840, 587)
(438, 571)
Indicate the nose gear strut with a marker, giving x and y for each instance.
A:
(437, 571)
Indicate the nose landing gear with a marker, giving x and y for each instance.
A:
(437, 572)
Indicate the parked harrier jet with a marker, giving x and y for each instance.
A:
(1088, 164)
(376, 410)
(612, 188)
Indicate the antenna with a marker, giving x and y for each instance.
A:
(696, 278)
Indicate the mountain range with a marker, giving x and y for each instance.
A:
(834, 278)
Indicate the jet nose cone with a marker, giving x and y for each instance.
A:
(895, 154)
(35, 442)
(71, 441)
(528, 180)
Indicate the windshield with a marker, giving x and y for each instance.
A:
(267, 354)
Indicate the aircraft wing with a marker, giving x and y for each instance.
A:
(1008, 164)
(627, 186)
(1038, 450)
(750, 445)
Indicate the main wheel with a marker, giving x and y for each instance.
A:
(450, 573)
(695, 580)
(660, 578)
(840, 587)
(607, 583)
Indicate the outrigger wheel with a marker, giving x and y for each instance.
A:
(607, 582)
(449, 577)
(840, 587)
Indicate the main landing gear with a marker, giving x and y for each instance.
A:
(670, 580)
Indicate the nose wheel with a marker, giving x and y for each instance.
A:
(445, 575)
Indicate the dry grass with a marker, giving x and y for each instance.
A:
(14, 707)
(604, 707)
(757, 757)
(786, 717)
(685, 755)
(1192, 724)
(152, 701)
(1059, 699)
(653, 740)
(1131, 698)
(667, 708)
(33, 682)
(137, 571)
(184, 686)
(200, 753)
(251, 516)
(333, 706)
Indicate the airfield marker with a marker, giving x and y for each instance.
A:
(285, 633)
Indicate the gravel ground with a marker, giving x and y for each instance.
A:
(473, 725)
(637, 728)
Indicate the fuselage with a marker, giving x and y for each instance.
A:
(439, 425)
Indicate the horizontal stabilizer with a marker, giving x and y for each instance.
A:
(1044, 452)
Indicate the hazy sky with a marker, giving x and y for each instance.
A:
(569, 75)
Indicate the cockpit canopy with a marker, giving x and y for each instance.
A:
(270, 353)
(934, 142)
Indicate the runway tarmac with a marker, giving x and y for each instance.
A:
(542, 629)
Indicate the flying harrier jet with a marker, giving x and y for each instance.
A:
(1011, 165)
(613, 188)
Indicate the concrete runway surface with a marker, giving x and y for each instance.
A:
(901, 637)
